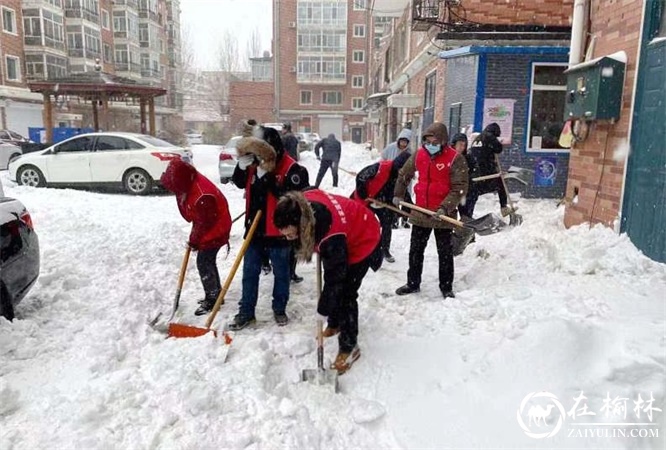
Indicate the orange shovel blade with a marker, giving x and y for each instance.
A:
(179, 330)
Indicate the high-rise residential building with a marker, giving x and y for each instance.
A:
(321, 50)
(47, 39)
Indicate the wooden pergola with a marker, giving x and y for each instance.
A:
(100, 88)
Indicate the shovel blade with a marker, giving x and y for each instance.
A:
(485, 225)
(179, 330)
(321, 377)
(515, 219)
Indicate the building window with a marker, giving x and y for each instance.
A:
(9, 20)
(331, 98)
(358, 56)
(329, 13)
(108, 54)
(13, 68)
(326, 41)
(359, 30)
(547, 97)
(321, 68)
(455, 113)
(306, 97)
(357, 103)
(429, 100)
(357, 81)
(360, 5)
(106, 21)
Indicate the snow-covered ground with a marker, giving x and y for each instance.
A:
(538, 308)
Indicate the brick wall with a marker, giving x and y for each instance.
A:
(11, 44)
(106, 6)
(542, 12)
(250, 99)
(508, 76)
(597, 167)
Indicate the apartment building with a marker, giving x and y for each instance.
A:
(321, 51)
(49, 39)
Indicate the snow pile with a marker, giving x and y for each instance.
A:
(537, 308)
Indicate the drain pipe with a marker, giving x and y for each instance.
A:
(578, 31)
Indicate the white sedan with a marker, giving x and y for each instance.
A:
(132, 161)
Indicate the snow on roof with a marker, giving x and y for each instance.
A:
(620, 56)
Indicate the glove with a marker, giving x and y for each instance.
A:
(193, 246)
(444, 212)
(396, 201)
(245, 161)
(260, 172)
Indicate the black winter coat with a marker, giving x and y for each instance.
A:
(332, 149)
(483, 150)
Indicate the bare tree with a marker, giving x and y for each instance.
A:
(253, 45)
(228, 54)
(187, 56)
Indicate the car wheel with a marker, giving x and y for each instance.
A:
(30, 176)
(6, 307)
(137, 182)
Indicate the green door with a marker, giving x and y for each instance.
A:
(644, 207)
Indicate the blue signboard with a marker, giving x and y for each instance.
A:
(545, 171)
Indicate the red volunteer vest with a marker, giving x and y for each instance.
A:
(356, 222)
(281, 170)
(219, 233)
(434, 182)
(378, 182)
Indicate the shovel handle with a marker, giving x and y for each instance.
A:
(320, 323)
(238, 217)
(234, 268)
(487, 177)
(434, 214)
(181, 280)
(506, 188)
(387, 206)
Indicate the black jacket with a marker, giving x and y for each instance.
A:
(332, 149)
(483, 150)
(297, 179)
(290, 143)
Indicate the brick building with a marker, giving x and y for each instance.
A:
(459, 62)
(616, 170)
(321, 51)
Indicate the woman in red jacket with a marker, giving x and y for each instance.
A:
(346, 235)
(201, 203)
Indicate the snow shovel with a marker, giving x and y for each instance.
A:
(514, 219)
(350, 172)
(180, 330)
(320, 376)
(176, 300)
(483, 226)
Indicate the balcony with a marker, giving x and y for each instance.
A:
(425, 13)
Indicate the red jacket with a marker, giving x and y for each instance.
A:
(281, 169)
(199, 202)
(434, 182)
(375, 184)
(356, 222)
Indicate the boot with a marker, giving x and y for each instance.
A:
(405, 223)
(407, 289)
(281, 319)
(344, 360)
(295, 278)
(388, 257)
(267, 268)
(241, 322)
(205, 307)
(448, 294)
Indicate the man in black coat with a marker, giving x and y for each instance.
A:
(332, 149)
(483, 150)
(289, 141)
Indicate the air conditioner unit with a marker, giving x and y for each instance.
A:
(292, 69)
(292, 24)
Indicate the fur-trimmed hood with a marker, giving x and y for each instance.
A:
(305, 245)
(261, 149)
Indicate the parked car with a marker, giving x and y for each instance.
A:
(19, 255)
(314, 138)
(134, 162)
(8, 136)
(8, 152)
(304, 144)
(228, 159)
(194, 138)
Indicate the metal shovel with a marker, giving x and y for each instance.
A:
(176, 300)
(488, 224)
(320, 376)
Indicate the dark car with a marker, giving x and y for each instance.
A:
(19, 255)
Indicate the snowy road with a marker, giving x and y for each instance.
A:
(547, 309)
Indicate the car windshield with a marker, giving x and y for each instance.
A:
(154, 142)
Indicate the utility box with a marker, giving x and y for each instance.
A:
(594, 89)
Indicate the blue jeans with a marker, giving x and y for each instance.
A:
(279, 257)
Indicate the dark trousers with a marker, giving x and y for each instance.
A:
(210, 277)
(345, 316)
(292, 262)
(386, 218)
(323, 167)
(279, 257)
(480, 188)
(418, 244)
